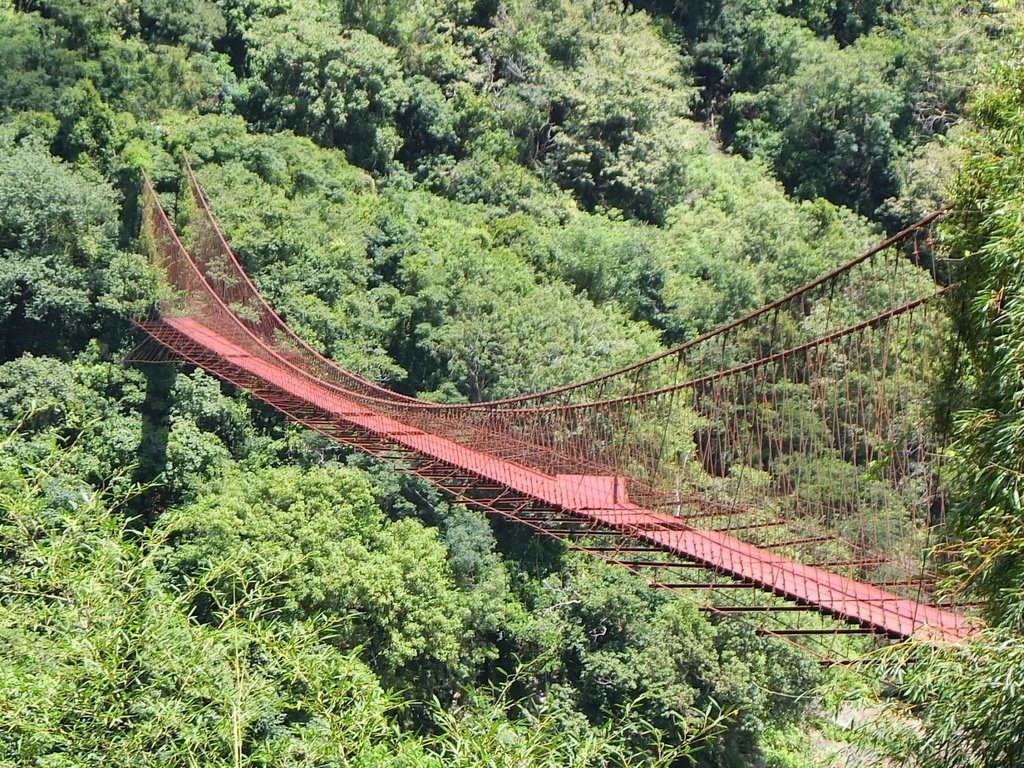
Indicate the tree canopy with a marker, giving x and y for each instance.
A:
(461, 200)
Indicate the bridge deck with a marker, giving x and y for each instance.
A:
(600, 500)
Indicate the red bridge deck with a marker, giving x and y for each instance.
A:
(593, 499)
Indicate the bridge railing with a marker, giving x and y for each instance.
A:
(802, 426)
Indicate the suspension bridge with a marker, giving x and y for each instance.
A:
(779, 467)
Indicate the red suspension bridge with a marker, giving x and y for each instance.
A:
(778, 467)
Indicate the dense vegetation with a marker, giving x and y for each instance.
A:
(966, 697)
(461, 200)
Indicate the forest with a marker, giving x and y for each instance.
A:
(465, 200)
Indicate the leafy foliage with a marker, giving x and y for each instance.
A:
(987, 450)
(944, 705)
(57, 232)
(958, 705)
(463, 200)
(337, 88)
(103, 662)
(318, 536)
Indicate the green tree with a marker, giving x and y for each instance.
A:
(840, 123)
(946, 704)
(57, 235)
(619, 134)
(320, 538)
(102, 663)
(35, 63)
(342, 88)
(609, 642)
(984, 234)
(958, 704)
